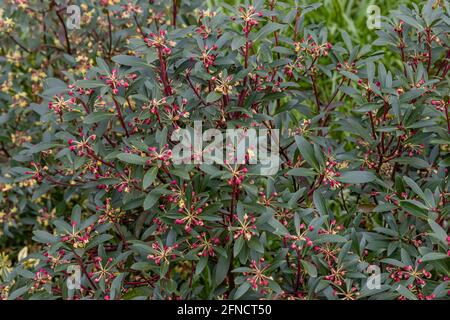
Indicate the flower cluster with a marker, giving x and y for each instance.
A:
(162, 253)
(246, 227)
(256, 277)
(115, 82)
(78, 238)
(160, 42)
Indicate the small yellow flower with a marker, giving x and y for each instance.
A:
(5, 265)
(5, 187)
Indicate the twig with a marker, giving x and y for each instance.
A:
(19, 44)
(4, 150)
(174, 13)
(120, 116)
(316, 94)
(83, 269)
(110, 33)
(65, 31)
(195, 91)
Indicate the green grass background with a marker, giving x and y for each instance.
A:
(337, 15)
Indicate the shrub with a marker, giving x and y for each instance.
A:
(90, 174)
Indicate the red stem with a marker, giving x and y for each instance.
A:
(447, 117)
(120, 116)
(163, 73)
(174, 13)
(316, 94)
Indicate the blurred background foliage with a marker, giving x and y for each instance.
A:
(337, 15)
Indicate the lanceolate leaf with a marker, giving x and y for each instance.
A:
(131, 158)
(307, 151)
(354, 177)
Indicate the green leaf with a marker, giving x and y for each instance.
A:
(89, 84)
(405, 292)
(98, 239)
(223, 264)
(150, 201)
(213, 96)
(154, 196)
(438, 231)
(319, 203)
(141, 266)
(201, 264)
(149, 177)
(330, 238)
(238, 244)
(116, 286)
(307, 151)
(310, 268)
(181, 173)
(414, 162)
(243, 288)
(140, 293)
(42, 146)
(256, 245)
(411, 21)
(354, 177)
(97, 117)
(44, 237)
(279, 228)
(275, 286)
(302, 172)
(434, 256)
(267, 29)
(414, 207)
(131, 158)
(415, 187)
(129, 61)
(17, 293)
